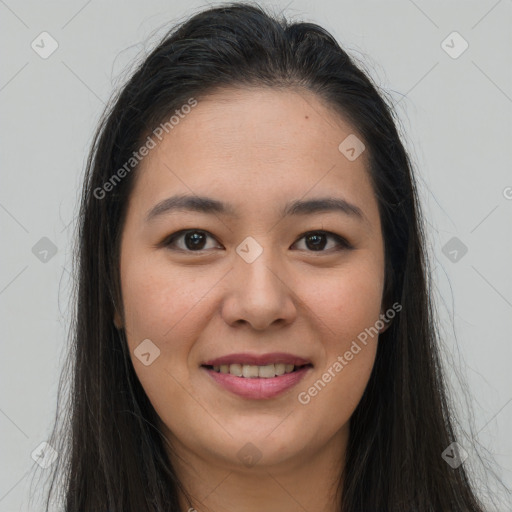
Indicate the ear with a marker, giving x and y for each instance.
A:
(117, 320)
(385, 328)
(386, 324)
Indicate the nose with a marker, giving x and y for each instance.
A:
(259, 295)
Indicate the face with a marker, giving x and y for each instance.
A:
(257, 285)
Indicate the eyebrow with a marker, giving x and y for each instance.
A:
(209, 205)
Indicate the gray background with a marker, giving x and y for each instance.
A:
(455, 115)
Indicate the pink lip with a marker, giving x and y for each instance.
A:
(258, 388)
(258, 360)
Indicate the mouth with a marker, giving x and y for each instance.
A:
(249, 371)
(257, 376)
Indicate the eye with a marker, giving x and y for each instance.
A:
(316, 241)
(194, 240)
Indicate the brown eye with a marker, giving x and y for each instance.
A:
(316, 241)
(194, 240)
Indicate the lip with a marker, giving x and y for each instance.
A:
(258, 388)
(258, 359)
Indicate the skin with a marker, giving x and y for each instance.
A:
(256, 149)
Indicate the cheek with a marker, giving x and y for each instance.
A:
(161, 304)
(159, 301)
(345, 302)
(347, 308)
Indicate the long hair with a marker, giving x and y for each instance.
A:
(112, 455)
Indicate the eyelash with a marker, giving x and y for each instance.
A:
(342, 243)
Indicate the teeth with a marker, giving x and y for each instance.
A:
(279, 368)
(250, 371)
(236, 369)
(267, 371)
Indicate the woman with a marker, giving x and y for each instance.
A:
(253, 326)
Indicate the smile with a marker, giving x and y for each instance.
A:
(267, 371)
(255, 377)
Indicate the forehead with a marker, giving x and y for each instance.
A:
(282, 122)
(256, 149)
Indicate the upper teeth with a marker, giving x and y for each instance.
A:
(249, 370)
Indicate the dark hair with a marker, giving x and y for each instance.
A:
(112, 455)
